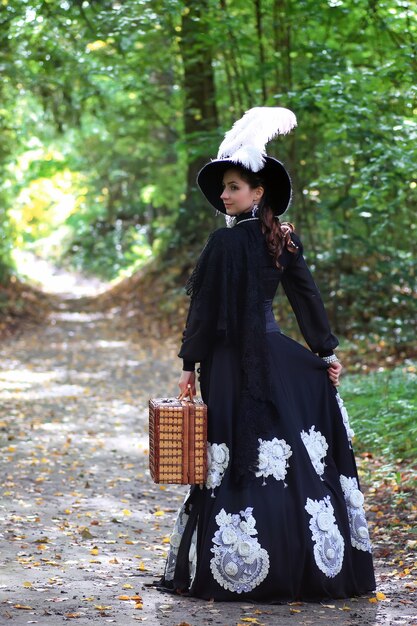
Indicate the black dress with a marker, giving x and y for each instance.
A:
(291, 525)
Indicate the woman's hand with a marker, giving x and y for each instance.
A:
(187, 378)
(334, 371)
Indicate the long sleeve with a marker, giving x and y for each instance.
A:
(196, 340)
(307, 304)
(208, 289)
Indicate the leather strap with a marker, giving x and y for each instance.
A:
(185, 440)
(191, 435)
(188, 392)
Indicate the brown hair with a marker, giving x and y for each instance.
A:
(277, 234)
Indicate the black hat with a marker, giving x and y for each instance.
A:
(273, 173)
(244, 145)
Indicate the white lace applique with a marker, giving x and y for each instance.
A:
(273, 459)
(217, 462)
(317, 447)
(328, 542)
(359, 534)
(239, 563)
(192, 556)
(350, 433)
(175, 541)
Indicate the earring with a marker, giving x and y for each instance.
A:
(254, 209)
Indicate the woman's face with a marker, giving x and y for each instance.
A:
(238, 196)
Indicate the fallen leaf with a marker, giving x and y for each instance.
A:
(85, 534)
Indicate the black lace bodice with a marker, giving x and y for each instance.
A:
(233, 279)
(299, 287)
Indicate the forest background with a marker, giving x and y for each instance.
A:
(109, 109)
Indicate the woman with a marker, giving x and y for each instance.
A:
(281, 516)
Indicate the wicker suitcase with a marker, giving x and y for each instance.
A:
(178, 441)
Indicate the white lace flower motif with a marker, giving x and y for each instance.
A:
(239, 563)
(345, 416)
(328, 542)
(316, 446)
(192, 557)
(273, 458)
(229, 537)
(217, 462)
(354, 499)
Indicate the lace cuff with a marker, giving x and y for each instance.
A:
(332, 358)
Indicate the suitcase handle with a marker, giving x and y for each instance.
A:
(188, 392)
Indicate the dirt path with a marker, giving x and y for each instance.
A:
(84, 530)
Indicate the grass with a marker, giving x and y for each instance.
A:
(382, 407)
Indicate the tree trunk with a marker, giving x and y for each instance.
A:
(7, 141)
(200, 115)
(282, 44)
(260, 37)
(238, 80)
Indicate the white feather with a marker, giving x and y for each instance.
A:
(245, 142)
(250, 157)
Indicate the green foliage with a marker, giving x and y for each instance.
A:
(103, 248)
(382, 407)
(5, 248)
(136, 97)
